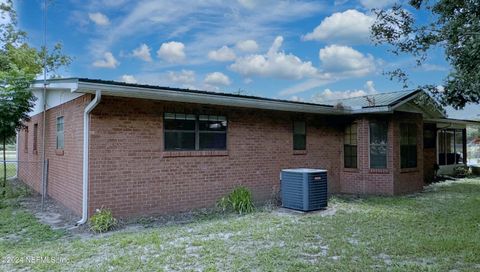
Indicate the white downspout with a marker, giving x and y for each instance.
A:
(86, 137)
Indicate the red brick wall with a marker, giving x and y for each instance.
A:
(364, 180)
(65, 168)
(393, 179)
(130, 173)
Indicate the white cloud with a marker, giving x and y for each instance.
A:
(345, 61)
(99, 18)
(247, 3)
(223, 54)
(172, 52)
(209, 23)
(329, 95)
(182, 77)
(337, 63)
(128, 79)
(249, 46)
(308, 85)
(274, 63)
(142, 52)
(109, 61)
(217, 78)
(369, 4)
(348, 27)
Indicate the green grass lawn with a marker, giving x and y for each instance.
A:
(438, 230)
(11, 170)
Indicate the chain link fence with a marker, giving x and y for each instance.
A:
(29, 172)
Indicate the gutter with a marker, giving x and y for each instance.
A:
(86, 138)
(200, 97)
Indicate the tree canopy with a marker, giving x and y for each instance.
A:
(20, 63)
(452, 25)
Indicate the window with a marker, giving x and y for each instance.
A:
(26, 140)
(378, 144)
(212, 132)
(450, 146)
(299, 135)
(35, 137)
(192, 132)
(408, 145)
(350, 146)
(60, 133)
(429, 136)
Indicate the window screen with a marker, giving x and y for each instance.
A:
(299, 135)
(350, 146)
(408, 145)
(60, 133)
(378, 144)
(195, 132)
(179, 131)
(35, 137)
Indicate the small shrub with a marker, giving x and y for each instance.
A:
(240, 200)
(461, 171)
(102, 221)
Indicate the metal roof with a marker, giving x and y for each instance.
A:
(374, 100)
(378, 103)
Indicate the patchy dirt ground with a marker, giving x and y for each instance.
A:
(437, 230)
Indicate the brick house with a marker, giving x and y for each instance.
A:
(139, 149)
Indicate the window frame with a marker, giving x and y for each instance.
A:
(57, 133)
(295, 148)
(406, 147)
(386, 123)
(196, 131)
(441, 134)
(349, 127)
(35, 137)
(25, 141)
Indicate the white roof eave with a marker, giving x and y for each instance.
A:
(203, 98)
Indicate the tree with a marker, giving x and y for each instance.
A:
(19, 65)
(451, 25)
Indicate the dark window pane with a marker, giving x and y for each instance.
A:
(350, 156)
(299, 127)
(179, 140)
(213, 140)
(378, 156)
(378, 144)
(299, 135)
(299, 142)
(213, 125)
(408, 145)
(176, 124)
(378, 133)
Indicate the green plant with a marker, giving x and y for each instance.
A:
(240, 200)
(461, 171)
(102, 221)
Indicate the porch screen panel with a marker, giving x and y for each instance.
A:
(451, 146)
(378, 144)
(459, 146)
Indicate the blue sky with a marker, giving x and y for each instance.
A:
(299, 50)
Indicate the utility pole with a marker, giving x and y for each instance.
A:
(44, 168)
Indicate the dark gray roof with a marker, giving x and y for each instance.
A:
(374, 100)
